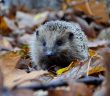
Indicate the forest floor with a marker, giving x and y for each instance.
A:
(88, 78)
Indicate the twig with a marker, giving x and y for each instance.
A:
(88, 66)
(90, 80)
(43, 86)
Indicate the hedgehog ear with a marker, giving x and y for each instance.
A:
(70, 36)
(37, 33)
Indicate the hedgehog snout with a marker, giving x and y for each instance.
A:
(49, 53)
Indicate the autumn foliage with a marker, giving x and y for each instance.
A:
(80, 78)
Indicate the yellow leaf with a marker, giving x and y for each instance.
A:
(40, 15)
(72, 64)
(91, 53)
(4, 27)
(3, 24)
(60, 71)
(96, 69)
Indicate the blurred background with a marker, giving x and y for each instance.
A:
(19, 19)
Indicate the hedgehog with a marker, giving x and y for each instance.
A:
(56, 44)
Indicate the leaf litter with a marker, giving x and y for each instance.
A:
(87, 78)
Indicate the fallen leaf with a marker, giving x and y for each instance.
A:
(97, 9)
(4, 29)
(97, 43)
(104, 34)
(5, 44)
(22, 92)
(89, 31)
(8, 62)
(59, 92)
(80, 89)
(72, 64)
(30, 20)
(24, 39)
(91, 53)
(96, 69)
(12, 75)
(18, 77)
(75, 89)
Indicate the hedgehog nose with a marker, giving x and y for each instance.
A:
(49, 53)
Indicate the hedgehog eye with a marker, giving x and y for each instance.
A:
(71, 35)
(37, 33)
(44, 43)
(59, 42)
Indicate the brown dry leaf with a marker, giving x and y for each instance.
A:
(22, 92)
(59, 92)
(8, 62)
(23, 78)
(5, 44)
(101, 91)
(94, 8)
(30, 20)
(13, 92)
(89, 31)
(11, 78)
(80, 89)
(4, 30)
(12, 75)
(87, 28)
(104, 89)
(96, 69)
(24, 39)
(94, 60)
(106, 55)
(104, 34)
(1, 83)
(75, 89)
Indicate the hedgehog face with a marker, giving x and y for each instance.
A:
(55, 47)
(58, 43)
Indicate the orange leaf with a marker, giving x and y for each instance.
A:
(8, 62)
(12, 75)
(96, 69)
(96, 9)
(91, 53)
(4, 27)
